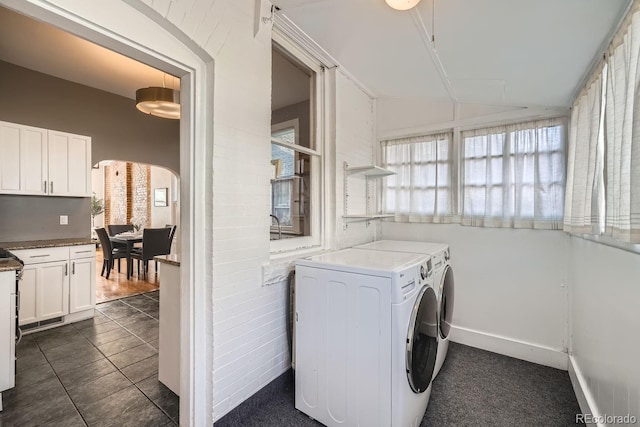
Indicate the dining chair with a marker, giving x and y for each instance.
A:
(172, 233)
(109, 253)
(114, 229)
(154, 242)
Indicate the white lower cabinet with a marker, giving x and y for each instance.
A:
(44, 291)
(52, 290)
(56, 282)
(82, 283)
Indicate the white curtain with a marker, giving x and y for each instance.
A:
(584, 200)
(513, 176)
(422, 188)
(623, 136)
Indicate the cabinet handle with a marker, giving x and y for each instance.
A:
(66, 269)
(39, 256)
(83, 252)
(45, 187)
(51, 187)
(73, 268)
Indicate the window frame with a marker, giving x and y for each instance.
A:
(411, 142)
(458, 156)
(318, 88)
(507, 153)
(278, 127)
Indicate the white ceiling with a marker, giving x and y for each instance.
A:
(41, 47)
(498, 52)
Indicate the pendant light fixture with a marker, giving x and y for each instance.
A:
(159, 101)
(402, 4)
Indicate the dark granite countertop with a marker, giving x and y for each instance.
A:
(172, 259)
(10, 265)
(38, 244)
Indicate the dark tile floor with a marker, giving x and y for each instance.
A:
(98, 372)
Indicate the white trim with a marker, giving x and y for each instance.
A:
(283, 26)
(503, 118)
(287, 124)
(297, 48)
(536, 353)
(116, 28)
(294, 147)
(583, 394)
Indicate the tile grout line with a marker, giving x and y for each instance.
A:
(145, 342)
(60, 381)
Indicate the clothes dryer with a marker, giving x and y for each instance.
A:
(366, 337)
(442, 279)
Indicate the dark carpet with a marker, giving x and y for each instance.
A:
(474, 388)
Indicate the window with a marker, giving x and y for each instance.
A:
(421, 189)
(290, 185)
(513, 176)
(296, 149)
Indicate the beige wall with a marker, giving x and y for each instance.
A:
(117, 129)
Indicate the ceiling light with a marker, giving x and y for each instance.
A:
(402, 4)
(159, 101)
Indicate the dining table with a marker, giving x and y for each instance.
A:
(127, 239)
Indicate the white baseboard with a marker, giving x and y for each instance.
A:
(583, 394)
(536, 353)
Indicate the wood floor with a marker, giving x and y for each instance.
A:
(117, 286)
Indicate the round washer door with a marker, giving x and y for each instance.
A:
(446, 302)
(422, 343)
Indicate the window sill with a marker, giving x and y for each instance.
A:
(608, 241)
(282, 263)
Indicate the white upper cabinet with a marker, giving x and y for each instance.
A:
(69, 164)
(23, 165)
(37, 161)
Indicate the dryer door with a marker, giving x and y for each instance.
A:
(446, 302)
(422, 343)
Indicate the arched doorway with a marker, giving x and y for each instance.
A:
(125, 29)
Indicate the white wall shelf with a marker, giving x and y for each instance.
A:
(369, 172)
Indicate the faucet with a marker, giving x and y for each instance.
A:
(278, 224)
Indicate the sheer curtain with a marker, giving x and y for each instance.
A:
(584, 204)
(422, 188)
(623, 136)
(513, 176)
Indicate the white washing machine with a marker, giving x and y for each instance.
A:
(366, 337)
(442, 279)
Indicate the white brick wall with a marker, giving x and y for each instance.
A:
(250, 342)
(354, 145)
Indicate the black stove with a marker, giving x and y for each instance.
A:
(5, 255)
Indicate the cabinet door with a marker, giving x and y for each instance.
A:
(52, 290)
(69, 164)
(33, 160)
(23, 165)
(27, 288)
(82, 284)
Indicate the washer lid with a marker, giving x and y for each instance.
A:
(422, 344)
(405, 246)
(364, 261)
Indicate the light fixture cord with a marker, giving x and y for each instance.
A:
(433, 22)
